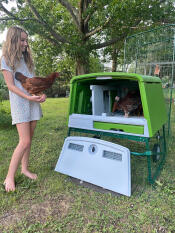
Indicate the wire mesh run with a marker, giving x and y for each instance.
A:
(153, 53)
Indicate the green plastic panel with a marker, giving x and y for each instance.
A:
(154, 107)
(135, 129)
(79, 101)
(116, 75)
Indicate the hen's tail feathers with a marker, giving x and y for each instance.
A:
(53, 75)
(20, 77)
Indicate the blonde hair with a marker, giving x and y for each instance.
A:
(12, 52)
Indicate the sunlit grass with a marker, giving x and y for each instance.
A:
(54, 203)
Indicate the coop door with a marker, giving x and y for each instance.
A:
(101, 100)
(97, 100)
(98, 162)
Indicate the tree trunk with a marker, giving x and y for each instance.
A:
(114, 58)
(82, 65)
(114, 65)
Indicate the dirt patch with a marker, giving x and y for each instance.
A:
(10, 218)
(53, 207)
(56, 207)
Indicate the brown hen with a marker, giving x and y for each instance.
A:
(131, 103)
(36, 85)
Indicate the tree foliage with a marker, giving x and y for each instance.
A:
(143, 15)
(78, 28)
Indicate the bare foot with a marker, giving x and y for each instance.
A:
(9, 185)
(29, 174)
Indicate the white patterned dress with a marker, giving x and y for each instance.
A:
(22, 110)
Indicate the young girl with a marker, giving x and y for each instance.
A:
(25, 109)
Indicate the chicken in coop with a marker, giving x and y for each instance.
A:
(130, 104)
(36, 85)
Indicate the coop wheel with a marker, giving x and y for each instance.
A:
(96, 136)
(156, 152)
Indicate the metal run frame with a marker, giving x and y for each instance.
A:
(152, 53)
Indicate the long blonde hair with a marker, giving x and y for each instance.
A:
(12, 52)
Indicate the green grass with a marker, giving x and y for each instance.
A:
(54, 203)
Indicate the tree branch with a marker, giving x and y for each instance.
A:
(34, 11)
(114, 40)
(90, 15)
(13, 17)
(98, 29)
(107, 43)
(81, 4)
(44, 24)
(71, 10)
(162, 1)
(26, 19)
(51, 40)
(7, 12)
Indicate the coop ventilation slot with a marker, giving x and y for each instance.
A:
(76, 147)
(112, 155)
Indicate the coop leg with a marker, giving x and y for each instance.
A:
(150, 180)
(164, 141)
(69, 132)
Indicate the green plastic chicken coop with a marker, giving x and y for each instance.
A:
(90, 111)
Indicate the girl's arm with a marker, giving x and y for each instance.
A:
(11, 86)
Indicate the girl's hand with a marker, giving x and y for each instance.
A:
(42, 98)
(34, 98)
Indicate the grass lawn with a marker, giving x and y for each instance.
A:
(54, 203)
